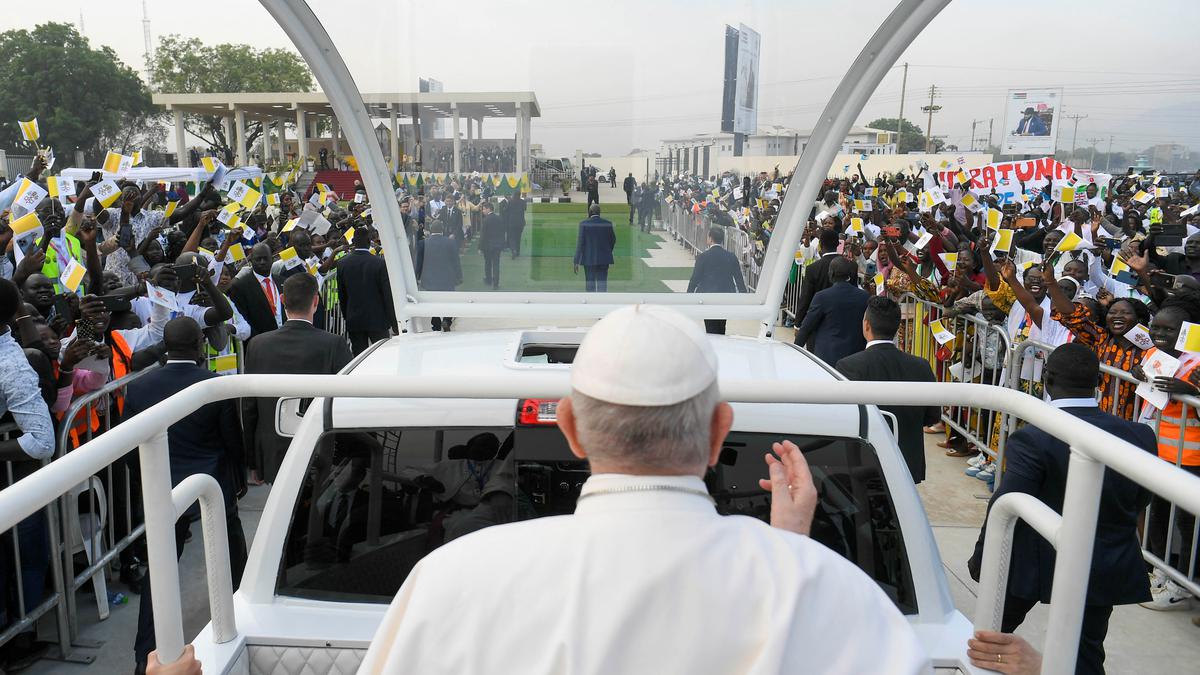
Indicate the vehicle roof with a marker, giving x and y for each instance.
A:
(494, 354)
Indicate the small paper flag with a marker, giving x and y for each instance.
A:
(115, 162)
(1189, 338)
(29, 130)
(171, 206)
(106, 192)
(290, 225)
(880, 287)
(246, 196)
(968, 200)
(994, 216)
(273, 199)
(72, 275)
(939, 332)
(136, 158)
(1142, 197)
(924, 240)
(350, 235)
(1120, 270)
(26, 223)
(1003, 241)
(949, 259)
(210, 164)
(236, 253)
(224, 365)
(1071, 242)
(862, 204)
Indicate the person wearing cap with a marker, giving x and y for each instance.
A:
(1031, 124)
(646, 576)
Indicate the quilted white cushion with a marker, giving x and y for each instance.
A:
(279, 660)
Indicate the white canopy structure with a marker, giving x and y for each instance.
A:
(166, 173)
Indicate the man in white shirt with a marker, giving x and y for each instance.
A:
(646, 577)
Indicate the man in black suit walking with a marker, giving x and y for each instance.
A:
(881, 361)
(834, 320)
(816, 276)
(297, 348)
(256, 294)
(594, 250)
(716, 271)
(206, 441)
(438, 267)
(452, 217)
(365, 294)
(514, 218)
(492, 239)
(1036, 464)
(629, 184)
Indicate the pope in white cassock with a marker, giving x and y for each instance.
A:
(645, 576)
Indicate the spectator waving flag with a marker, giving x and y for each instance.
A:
(29, 130)
(72, 275)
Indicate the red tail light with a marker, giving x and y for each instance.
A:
(537, 412)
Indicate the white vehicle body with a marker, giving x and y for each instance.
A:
(274, 626)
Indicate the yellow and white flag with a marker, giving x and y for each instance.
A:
(968, 200)
(1072, 242)
(71, 274)
(350, 236)
(856, 226)
(171, 206)
(994, 217)
(29, 130)
(290, 258)
(115, 162)
(210, 164)
(240, 193)
(1003, 241)
(290, 225)
(226, 215)
(1142, 197)
(902, 196)
(1189, 338)
(962, 177)
(29, 195)
(136, 158)
(60, 187)
(940, 333)
(25, 224)
(235, 254)
(862, 204)
(949, 259)
(880, 287)
(273, 199)
(224, 365)
(106, 192)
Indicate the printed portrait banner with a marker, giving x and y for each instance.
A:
(1029, 119)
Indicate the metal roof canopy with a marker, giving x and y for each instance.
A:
(283, 104)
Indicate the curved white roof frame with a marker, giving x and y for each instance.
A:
(877, 57)
(894, 35)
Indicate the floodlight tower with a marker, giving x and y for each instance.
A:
(146, 56)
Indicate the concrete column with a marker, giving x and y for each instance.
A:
(456, 142)
(266, 141)
(280, 129)
(395, 139)
(227, 125)
(239, 121)
(302, 138)
(337, 143)
(181, 158)
(520, 138)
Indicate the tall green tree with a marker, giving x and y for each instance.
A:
(82, 97)
(912, 137)
(188, 66)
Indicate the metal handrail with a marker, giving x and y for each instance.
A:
(1092, 450)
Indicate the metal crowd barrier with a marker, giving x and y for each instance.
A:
(27, 617)
(691, 230)
(1159, 550)
(89, 416)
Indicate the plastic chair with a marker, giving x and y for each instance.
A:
(86, 533)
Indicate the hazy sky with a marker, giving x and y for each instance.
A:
(613, 75)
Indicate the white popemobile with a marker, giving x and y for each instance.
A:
(429, 436)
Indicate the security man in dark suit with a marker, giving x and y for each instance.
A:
(1036, 464)
(256, 294)
(629, 184)
(816, 277)
(881, 361)
(365, 294)
(514, 219)
(438, 267)
(834, 320)
(452, 218)
(206, 441)
(716, 271)
(297, 348)
(493, 236)
(594, 250)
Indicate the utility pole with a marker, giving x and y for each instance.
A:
(973, 123)
(1108, 157)
(930, 109)
(900, 120)
(991, 120)
(1075, 133)
(148, 54)
(1092, 163)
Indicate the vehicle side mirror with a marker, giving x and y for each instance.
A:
(288, 414)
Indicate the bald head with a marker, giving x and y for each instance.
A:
(260, 259)
(183, 339)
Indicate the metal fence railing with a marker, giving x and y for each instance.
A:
(982, 352)
(691, 230)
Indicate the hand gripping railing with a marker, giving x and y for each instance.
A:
(1092, 450)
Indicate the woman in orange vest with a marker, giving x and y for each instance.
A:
(1175, 419)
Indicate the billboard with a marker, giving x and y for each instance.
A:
(739, 104)
(437, 124)
(1029, 119)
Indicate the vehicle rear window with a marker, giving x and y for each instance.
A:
(375, 502)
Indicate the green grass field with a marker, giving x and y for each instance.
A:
(548, 248)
